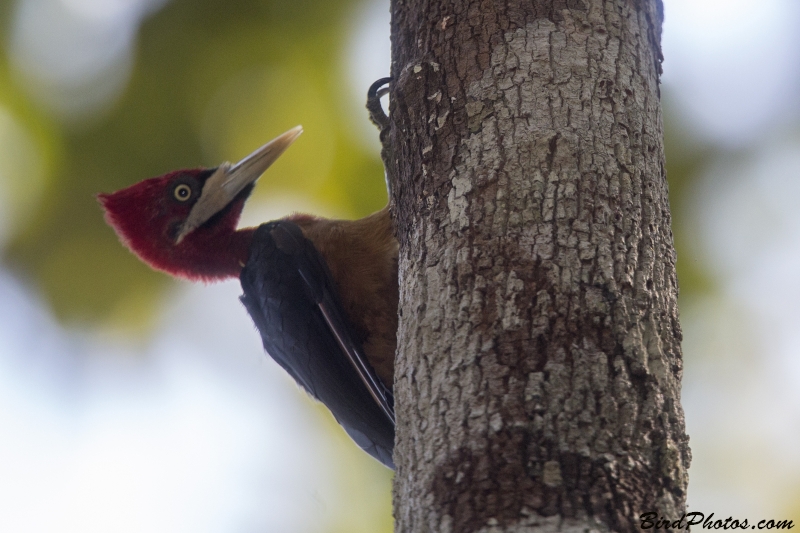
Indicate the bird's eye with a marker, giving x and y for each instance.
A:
(182, 192)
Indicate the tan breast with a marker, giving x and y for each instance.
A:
(362, 257)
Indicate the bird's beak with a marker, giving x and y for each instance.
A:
(229, 180)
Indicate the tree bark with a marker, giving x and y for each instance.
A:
(539, 359)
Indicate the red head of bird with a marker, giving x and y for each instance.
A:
(184, 222)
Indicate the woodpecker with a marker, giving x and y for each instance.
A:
(322, 293)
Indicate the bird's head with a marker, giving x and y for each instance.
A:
(184, 222)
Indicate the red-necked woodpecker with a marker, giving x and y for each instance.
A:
(323, 293)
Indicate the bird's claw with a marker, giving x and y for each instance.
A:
(376, 91)
(379, 118)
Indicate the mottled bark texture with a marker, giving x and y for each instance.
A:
(539, 360)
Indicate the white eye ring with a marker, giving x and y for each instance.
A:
(182, 192)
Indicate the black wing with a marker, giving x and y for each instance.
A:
(290, 295)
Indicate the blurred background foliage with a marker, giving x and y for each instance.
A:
(98, 94)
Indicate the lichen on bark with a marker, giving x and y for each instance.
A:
(539, 362)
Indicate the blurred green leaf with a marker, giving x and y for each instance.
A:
(686, 160)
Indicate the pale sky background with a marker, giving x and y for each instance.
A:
(200, 431)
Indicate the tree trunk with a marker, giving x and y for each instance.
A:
(539, 359)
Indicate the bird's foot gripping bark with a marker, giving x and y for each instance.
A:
(376, 91)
